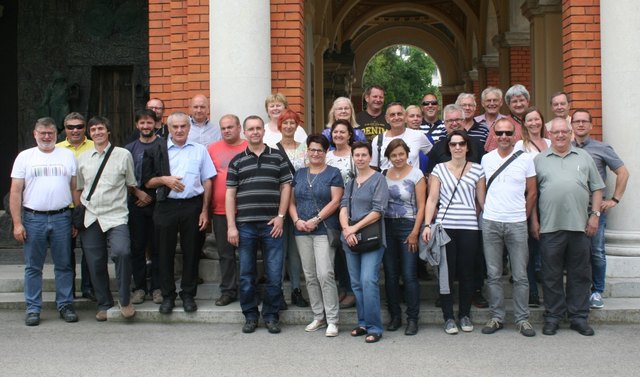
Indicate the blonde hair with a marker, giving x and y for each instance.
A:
(332, 116)
(276, 97)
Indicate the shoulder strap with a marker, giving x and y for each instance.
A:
(284, 153)
(504, 166)
(99, 173)
(455, 190)
(380, 137)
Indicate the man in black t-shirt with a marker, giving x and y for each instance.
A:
(371, 120)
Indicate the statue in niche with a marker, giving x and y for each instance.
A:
(56, 100)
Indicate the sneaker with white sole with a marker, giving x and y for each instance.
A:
(332, 330)
(595, 302)
(465, 324)
(450, 327)
(315, 325)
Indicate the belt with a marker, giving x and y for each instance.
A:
(54, 212)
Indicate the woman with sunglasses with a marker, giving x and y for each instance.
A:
(364, 202)
(459, 187)
(404, 215)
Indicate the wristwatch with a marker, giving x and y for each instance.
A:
(597, 213)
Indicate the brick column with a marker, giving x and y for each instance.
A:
(581, 52)
(287, 51)
(178, 51)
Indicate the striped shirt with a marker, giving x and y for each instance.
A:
(478, 132)
(434, 131)
(462, 211)
(257, 180)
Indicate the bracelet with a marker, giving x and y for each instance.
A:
(428, 226)
(295, 222)
(615, 199)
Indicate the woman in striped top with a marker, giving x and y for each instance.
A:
(459, 187)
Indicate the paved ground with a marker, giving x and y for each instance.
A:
(89, 348)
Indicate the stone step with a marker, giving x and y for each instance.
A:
(616, 310)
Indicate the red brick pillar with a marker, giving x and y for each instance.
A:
(581, 51)
(287, 51)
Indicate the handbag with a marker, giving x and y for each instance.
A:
(369, 237)
(77, 217)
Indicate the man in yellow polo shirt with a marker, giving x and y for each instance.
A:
(77, 142)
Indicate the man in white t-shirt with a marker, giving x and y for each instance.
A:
(42, 180)
(511, 195)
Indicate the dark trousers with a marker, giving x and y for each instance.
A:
(227, 255)
(171, 217)
(142, 235)
(571, 251)
(85, 278)
(461, 257)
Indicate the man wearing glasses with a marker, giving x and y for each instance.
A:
(568, 180)
(432, 126)
(453, 120)
(157, 106)
(605, 157)
(76, 141)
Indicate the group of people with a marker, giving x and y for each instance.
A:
(478, 191)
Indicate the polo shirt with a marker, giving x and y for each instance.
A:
(83, 147)
(434, 131)
(603, 155)
(565, 185)
(478, 132)
(257, 180)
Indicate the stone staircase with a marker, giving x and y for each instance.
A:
(622, 299)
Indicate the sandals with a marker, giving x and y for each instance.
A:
(373, 338)
(358, 331)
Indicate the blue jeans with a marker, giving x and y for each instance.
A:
(364, 271)
(251, 235)
(42, 231)
(398, 259)
(598, 256)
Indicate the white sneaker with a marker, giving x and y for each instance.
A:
(465, 324)
(595, 302)
(315, 325)
(332, 330)
(450, 327)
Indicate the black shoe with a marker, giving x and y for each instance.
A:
(168, 303)
(394, 324)
(297, 299)
(224, 300)
(478, 300)
(583, 328)
(550, 328)
(534, 300)
(188, 303)
(250, 326)
(68, 314)
(273, 326)
(32, 319)
(412, 327)
(89, 295)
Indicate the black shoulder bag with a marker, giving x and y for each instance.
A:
(369, 237)
(77, 217)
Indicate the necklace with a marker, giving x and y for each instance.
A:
(310, 182)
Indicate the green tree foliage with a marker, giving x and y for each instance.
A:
(405, 72)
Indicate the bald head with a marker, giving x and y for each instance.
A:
(199, 107)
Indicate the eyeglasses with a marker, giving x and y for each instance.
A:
(429, 103)
(340, 109)
(560, 132)
(455, 120)
(453, 144)
(467, 105)
(503, 133)
(580, 121)
(155, 107)
(74, 126)
(46, 133)
(318, 151)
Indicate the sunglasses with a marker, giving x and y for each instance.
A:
(504, 133)
(429, 103)
(453, 144)
(74, 126)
